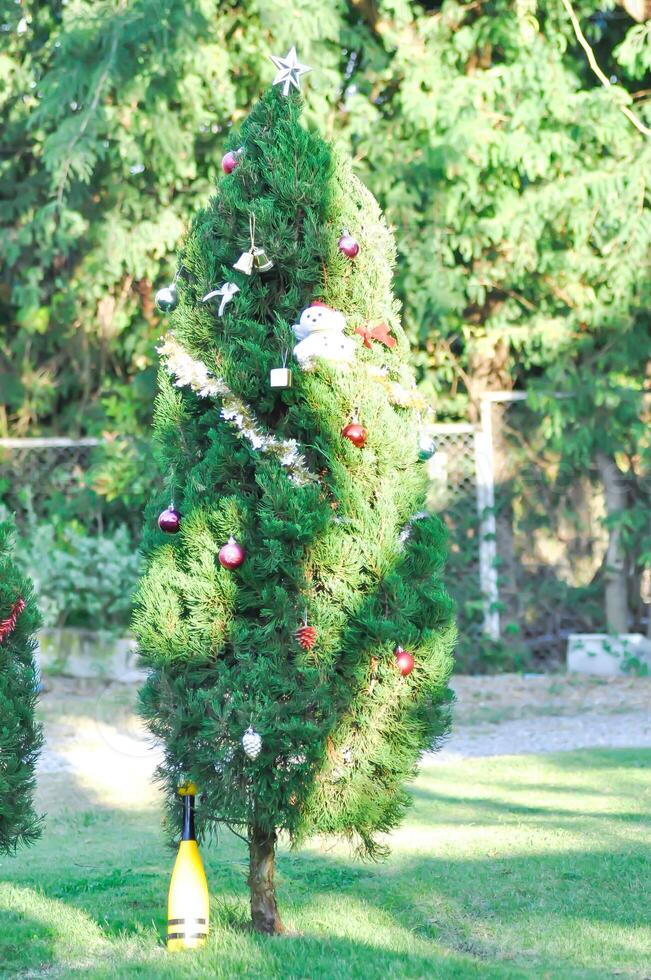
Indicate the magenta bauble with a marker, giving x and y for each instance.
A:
(169, 520)
(230, 160)
(231, 555)
(404, 661)
(355, 433)
(348, 245)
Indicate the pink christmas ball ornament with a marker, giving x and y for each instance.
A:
(169, 520)
(231, 555)
(231, 159)
(348, 245)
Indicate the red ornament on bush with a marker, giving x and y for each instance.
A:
(169, 520)
(348, 245)
(306, 636)
(230, 160)
(355, 433)
(8, 625)
(404, 661)
(231, 555)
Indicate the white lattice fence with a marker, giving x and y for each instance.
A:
(43, 476)
(34, 472)
(455, 495)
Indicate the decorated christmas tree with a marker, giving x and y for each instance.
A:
(20, 735)
(293, 616)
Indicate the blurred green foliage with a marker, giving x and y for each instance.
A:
(80, 579)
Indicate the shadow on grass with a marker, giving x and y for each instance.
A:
(558, 815)
(40, 948)
(95, 889)
(427, 918)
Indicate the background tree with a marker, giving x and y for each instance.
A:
(274, 681)
(20, 735)
(534, 210)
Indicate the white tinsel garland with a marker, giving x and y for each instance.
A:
(405, 533)
(187, 372)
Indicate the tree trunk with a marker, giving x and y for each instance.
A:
(639, 10)
(262, 854)
(615, 561)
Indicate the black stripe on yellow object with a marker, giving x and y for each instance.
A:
(187, 935)
(180, 922)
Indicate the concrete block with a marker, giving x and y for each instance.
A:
(607, 655)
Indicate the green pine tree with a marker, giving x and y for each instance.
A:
(334, 534)
(20, 735)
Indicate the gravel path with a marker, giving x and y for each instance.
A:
(551, 733)
(514, 714)
(91, 726)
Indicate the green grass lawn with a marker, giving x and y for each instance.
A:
(509, 867)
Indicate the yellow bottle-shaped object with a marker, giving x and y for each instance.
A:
(187, 903)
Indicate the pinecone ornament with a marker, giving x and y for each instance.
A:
(251, 743)
(306, 636)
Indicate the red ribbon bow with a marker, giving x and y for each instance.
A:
(381, 333)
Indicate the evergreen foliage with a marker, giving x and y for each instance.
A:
(20, 735)
(341, 729)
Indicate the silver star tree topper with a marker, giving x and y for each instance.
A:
(289, 71)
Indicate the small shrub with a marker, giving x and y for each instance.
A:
(80, 579)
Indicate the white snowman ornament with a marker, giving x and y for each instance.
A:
(320, 333)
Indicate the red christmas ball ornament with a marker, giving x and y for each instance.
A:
(404, 661)
(306, 636)
(348, 245)
(355, 433)
(169, 520)
(231, 555)
(230, 160)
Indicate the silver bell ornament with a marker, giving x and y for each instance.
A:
(255, 257)
(245, 263)
(167, 298)
(251, 743)
(261, 260)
